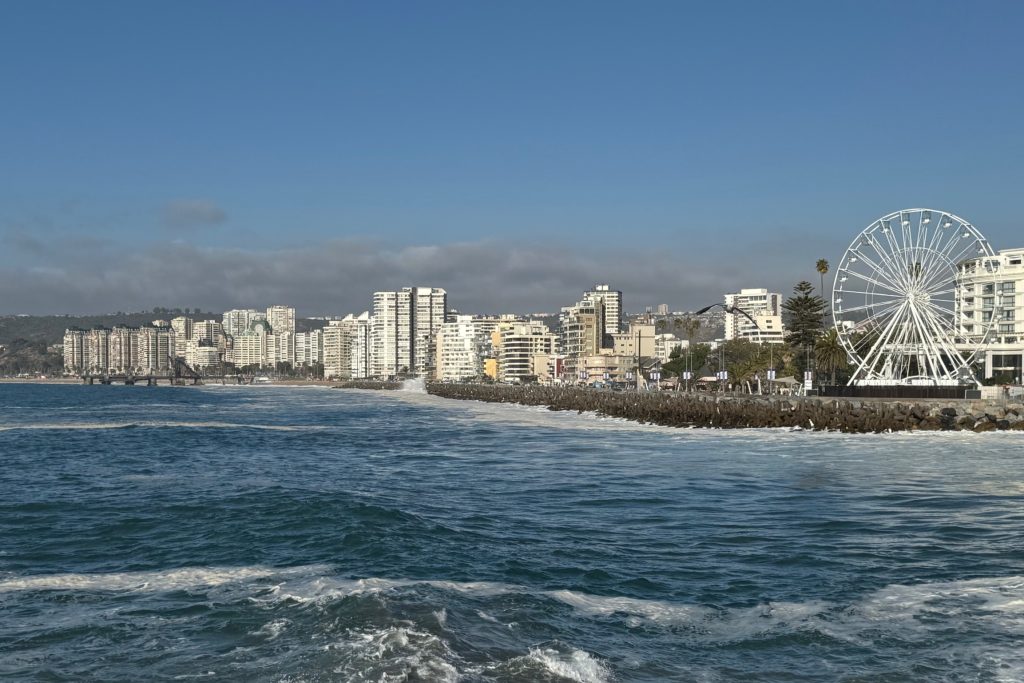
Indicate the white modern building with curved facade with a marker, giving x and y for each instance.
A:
(990, 296)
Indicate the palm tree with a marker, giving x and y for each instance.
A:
(829, 354)
(690, 327)
(822, 267)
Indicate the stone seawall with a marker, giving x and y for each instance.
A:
(674, 409)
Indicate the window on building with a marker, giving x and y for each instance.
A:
(1009, 301)
(990, 288)
(1006, 329)
(986, 316)
(969, 301)
(1009, 287)
(1008, 315)
(969, 329)
(1015, 260)
(988, 301)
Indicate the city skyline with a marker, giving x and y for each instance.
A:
(508, 153)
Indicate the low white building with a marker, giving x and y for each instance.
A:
(665, 344)
(764, 307)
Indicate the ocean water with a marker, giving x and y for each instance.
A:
(287, 534)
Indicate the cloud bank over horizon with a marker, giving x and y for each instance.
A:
(339, 276)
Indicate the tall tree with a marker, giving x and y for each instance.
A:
(829, 354)
(694, 358)
(803, 313)
(690, 327)
(822, 267)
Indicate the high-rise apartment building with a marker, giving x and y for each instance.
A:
(182, 327)
(97, 349)
(251, 346)
(458, 350)
(123, 349)
(519, 343)
(281, 319)
(581, 331)
(405, 327)
(612, 300)
(156, 346)
(309, 347)
(74, 349)
(237, 321)
(347, 347)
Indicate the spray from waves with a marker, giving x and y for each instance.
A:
(571, 664)
(414, 386)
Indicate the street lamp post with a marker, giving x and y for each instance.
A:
(730, 310)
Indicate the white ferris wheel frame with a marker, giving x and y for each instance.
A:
(897, 286)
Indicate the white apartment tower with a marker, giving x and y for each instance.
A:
(97, 349)
(74, 349)
(458, 350)
(405, 327)
(309, 348)
(347, 347)
(612, 300)
(764, 307)
(281, 319)
(251, 347)
(182, 327)
(156, 344)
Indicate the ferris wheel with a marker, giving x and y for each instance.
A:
(894, 299)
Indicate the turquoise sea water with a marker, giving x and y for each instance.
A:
(284, 534)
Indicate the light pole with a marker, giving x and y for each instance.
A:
(731, 310)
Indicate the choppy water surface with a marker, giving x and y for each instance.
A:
(275, 534)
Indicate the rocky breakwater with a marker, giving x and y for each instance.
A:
(376, 385)
(673, 409)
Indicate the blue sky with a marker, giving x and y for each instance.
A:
(514, 153)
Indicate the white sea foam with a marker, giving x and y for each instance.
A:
(77, 426)
(909, 612)
(161, 580)
(575, 665)
(394, 653)
(272, 629)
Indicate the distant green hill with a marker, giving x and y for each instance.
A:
(29, 357)
(50, 328)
